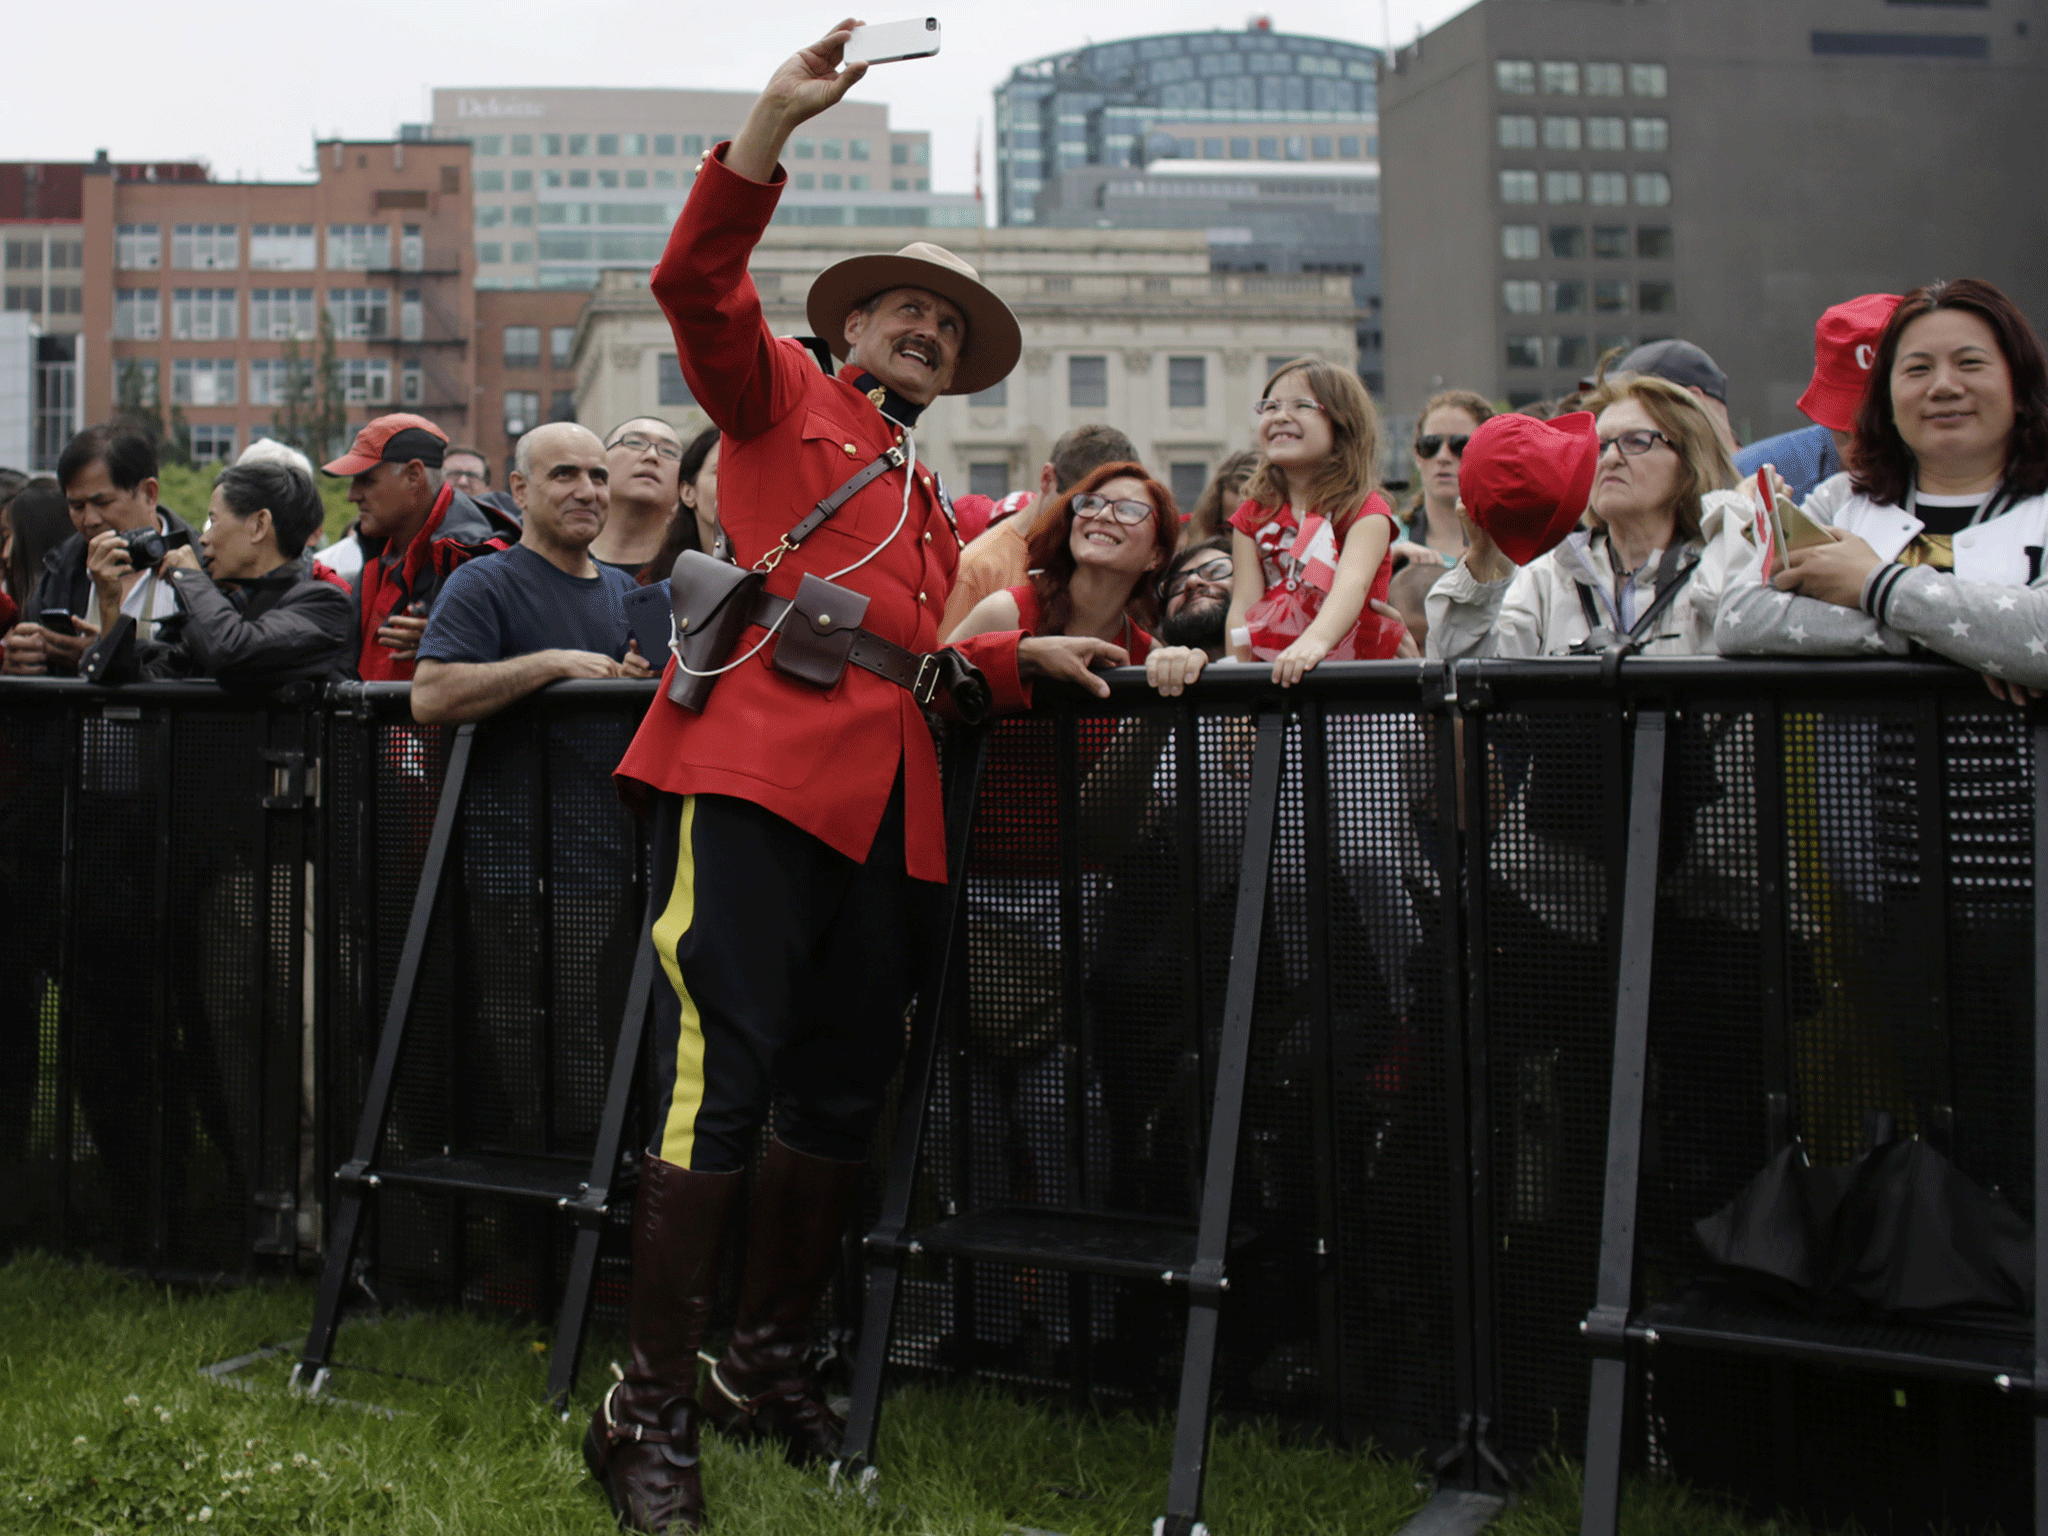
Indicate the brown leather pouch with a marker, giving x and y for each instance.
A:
(819, 632)
(712, 600)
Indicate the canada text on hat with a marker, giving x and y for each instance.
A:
(395, 439)
(1527, 481)
(1844, 347)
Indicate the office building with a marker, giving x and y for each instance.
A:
(1125, 326)
(1265, 142)
(195, 295)
(524, 366)
(1565, 176)
(574, 180)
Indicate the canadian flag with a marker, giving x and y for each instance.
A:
(1314, 553)
(1766, 526)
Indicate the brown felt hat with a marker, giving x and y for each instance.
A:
(993, 342)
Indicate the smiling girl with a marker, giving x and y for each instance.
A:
(1318, 447)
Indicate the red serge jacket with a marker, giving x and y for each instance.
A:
(824, 761)
(456, 529)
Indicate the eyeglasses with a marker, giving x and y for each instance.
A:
(633, 442)
(1634, 445)
(1301, 405)
(1215, 573)
(1130, 513)
(1430, 444)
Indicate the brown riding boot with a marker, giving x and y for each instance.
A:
(642, 1442)
(764, 1386)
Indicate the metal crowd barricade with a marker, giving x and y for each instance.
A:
(1843, 904)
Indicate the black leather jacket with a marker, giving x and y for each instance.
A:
(255, 636)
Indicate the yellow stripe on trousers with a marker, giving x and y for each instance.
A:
(686, 1096)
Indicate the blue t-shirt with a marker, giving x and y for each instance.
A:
(518, 602)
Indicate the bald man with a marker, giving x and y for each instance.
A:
(541, 611)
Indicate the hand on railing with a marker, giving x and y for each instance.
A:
(1068, 658)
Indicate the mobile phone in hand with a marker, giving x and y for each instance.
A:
(917, 38)
(649, 620)
(57, 621)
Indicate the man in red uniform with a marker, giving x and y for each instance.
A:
(415, 529)
(798, 828)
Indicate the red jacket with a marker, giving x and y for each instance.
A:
(824, 761)
(457, 529)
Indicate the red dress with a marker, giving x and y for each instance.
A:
(1288, 588)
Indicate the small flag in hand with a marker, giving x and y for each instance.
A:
(1314, 553)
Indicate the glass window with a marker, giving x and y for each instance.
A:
(270, 380)
(562, 405)
(203, 314)
(831, 149)
(671, 387)
(551, 144)
(579, 178)
(138, 247)
(490, 181)
(1347, 146)
(522, 411)
(1646, 80)
(205, 247)
(522, 181)
(522, 143)
(561, 339)
(1653, 242)
(997, 394)
(489, 215)
(1525, 351)
(490, 253)
(856, 149)
(1604, 133)
(212, 442)
(362, 314)
(1610, 296)
(579, 145)
(412, 318)
(1269, 149)
(1186, 481)
(1649, 135)
(1518, 186)
(607, 143)
(1603, 79)
(1607, 189)
(522, 213)
(1567, 241)
(829, 182)
(693, 144)
(990, 480)
(1187, 382)
(608, 178)
(1611, 340)
(1653, 189)
(137, 381)
(636, 178)
(664, 178)
(203, 381)
(1563, 187)
(1319, 146)
(1520, 242)
(806, 181)
(1087, 382)
(522, 346)
(1610, 242)
(1240, 149)
(1521, 296)
(1515, 77)
(23, 298)
(1657, 298)
(521, 252)
(1568, 296)
(277, 314)
(857, 182)
(1517, 131)
(282, 247)
(366, 380)
(358, 247)
(1560, 133)
(664, 145)
(411, 384)
(899, 183)
(1560, 78)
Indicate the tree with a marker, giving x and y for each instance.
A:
(136, 400)
(315, 412)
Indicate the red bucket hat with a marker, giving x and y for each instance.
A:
(394, 439)
(1844, 347)
(1527, 481)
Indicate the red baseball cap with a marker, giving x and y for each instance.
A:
(396, 439)
(1527, 481)
(1844, 347)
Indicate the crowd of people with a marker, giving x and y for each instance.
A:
(795, 805)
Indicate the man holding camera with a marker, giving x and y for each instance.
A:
(799, 833)
(108, 475)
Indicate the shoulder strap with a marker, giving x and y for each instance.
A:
(889, 459)
(1587, 605)
(1669, 583)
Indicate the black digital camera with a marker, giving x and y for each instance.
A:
(148, 546)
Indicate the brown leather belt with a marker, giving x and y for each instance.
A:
(916, 672)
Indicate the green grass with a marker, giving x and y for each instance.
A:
(106, 1424)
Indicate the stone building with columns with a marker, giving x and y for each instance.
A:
(1128, 327)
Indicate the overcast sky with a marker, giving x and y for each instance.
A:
(248, 87)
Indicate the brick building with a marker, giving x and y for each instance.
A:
(199, 286)
(524, 341)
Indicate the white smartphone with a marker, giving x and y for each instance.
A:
(917, 38)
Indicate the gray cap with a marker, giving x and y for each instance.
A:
(1681, 362)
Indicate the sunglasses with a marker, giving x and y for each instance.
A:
(1430, 444)
(633, 442)
(1129, 513)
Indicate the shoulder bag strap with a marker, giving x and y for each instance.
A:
(889, 459)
